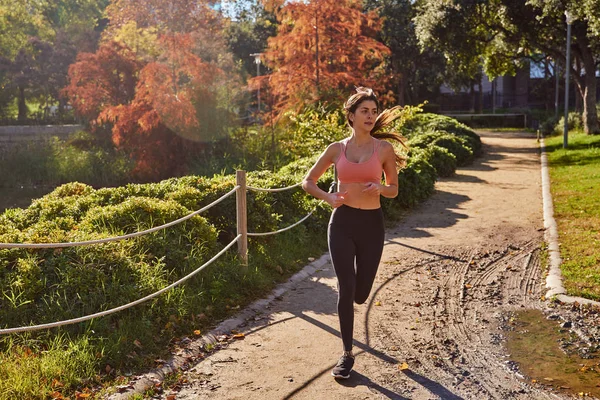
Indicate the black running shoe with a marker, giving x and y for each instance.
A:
(343, 367)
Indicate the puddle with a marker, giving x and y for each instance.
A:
(534, 345)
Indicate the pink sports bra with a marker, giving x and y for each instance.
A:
(351, 172)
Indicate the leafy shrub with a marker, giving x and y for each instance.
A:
(456, 145)
(442, 160)
(547, 126)
(422, 123)
(574, 121)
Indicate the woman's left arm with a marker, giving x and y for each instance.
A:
(388, 158)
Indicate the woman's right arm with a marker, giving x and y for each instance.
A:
(309, 184)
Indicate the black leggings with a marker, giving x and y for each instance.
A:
(355, 240)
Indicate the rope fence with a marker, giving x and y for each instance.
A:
(116, 238)
(120, 308)
(241, 239)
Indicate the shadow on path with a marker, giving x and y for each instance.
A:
(445, 219)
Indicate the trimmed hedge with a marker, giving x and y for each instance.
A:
(456, 145)
(426, 122)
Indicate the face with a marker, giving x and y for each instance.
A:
(365, 115)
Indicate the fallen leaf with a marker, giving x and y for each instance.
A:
(403, 366)
(82, 395)
(57, 396)
(239, 336)
(171, 397)
(468, 286)
(197, 332)
(137, 344)
(549, 379)
(377, 303)
(56, 383)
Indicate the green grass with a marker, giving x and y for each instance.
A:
(35, 370)
(575, 187)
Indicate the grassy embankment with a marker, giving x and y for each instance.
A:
(575, 187)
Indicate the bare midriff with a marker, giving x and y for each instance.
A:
(356, 198)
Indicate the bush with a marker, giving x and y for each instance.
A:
(442, 160)
(574, 121)
(547, 126)
(456, 145)
(423, 123)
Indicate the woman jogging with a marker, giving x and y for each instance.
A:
(356, 231)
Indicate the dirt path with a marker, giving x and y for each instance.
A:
(451, 272)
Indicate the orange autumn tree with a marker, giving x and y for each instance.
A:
(155, 125)
(322, 47)
(101, 80)
(152, 119)
(180, 77)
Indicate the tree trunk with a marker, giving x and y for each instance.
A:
(472, 93)
(590, 115)
(22, 106)
(480, 98)
(401, 90)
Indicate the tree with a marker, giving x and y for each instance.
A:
(102, 80)
(39, 40)
(322, 46)
(414, 73)
(585, 45)
(506, 32)
(249, 31)
(173, 16)
(160, 92)
(459, 32)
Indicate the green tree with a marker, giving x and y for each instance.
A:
(38, 40)
(459, 31)
(415, 73)
(504, 33)
(247, 33)
(585, 45)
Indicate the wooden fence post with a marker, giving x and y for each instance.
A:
(242, 216)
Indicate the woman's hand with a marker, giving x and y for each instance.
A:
(373, 189)
(336, 199)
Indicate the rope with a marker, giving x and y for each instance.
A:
(331, 188)
(273, 190)
(97, 241)
(120, 308)
(284, 229)
(146, 298)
